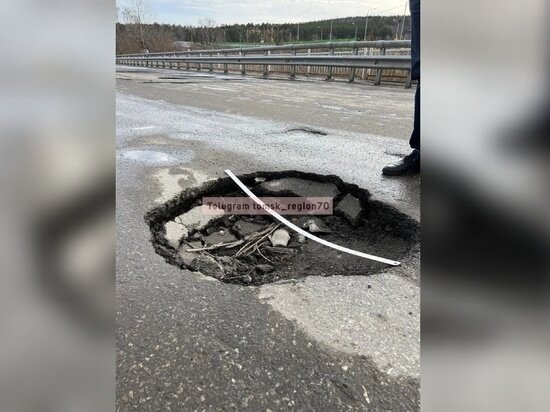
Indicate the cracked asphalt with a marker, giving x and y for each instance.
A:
(188, 342)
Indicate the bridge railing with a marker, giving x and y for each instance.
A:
(371, 56)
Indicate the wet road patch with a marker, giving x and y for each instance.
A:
(148, 156)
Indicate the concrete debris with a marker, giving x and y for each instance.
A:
(244, 228)
(297, 238)
(350, 208)
(219, 237)
(186, 257)
(196, 219)
(175, 233)
(207, 266)
(279, 238)
(301, 187)
(197, 236)
(192, 244)
(313, 225)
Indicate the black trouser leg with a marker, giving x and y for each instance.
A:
(415, 136)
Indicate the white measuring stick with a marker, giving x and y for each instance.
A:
(303, 232)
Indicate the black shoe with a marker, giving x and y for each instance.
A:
(408, 165)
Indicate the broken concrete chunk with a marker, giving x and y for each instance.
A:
(279, 238)
(297, 237)
(197, 236)
(301, 187)
(244, 228)
(313, 225)
(175, 232)
(196, 219)
(187, 257)
(219, 237)
(351, 208)
(192, 245)
(207, 266)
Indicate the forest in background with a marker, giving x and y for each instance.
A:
(134, 36)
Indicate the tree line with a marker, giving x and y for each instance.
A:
(134, 36)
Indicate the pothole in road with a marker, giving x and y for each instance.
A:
(257, 249)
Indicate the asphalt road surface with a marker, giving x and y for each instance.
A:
(188, 342)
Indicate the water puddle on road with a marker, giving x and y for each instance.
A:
(148, 156)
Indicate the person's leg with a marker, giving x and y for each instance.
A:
(415, 70)
(411, 163)
(415, 136)
(415, 39)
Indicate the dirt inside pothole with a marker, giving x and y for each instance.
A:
(240, 248)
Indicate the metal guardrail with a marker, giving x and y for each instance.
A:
(261, 56)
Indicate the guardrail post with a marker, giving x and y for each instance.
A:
(243, 67)
(329, 77)
(352, 70)
(266, 66)
(179, 65)
(225, 66)
(408, 82)
(187, 66)
(365, 52)
(211, 67)
(293, 68)
(200, 64)
(378, 77)
(308, 69)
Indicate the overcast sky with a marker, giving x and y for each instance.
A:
(188, 12)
